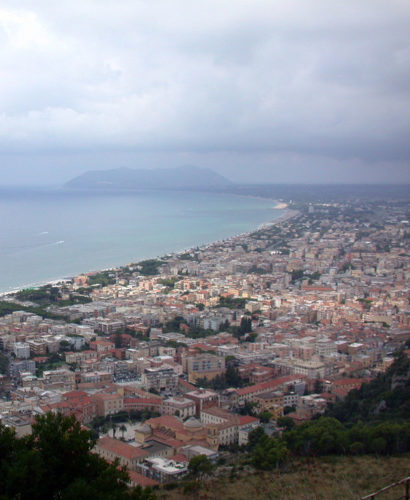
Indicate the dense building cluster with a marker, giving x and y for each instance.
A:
(204, 345)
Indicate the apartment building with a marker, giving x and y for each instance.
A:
(203, 398)
(271, 401)
(21, 350)
(108, 404)
(181, 407)
(111, 449)
(203, 366)
(160, 379)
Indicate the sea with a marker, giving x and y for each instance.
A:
(52, 234)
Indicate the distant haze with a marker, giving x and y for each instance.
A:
(284, 91)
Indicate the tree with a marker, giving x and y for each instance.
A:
(4, 363)
(199, 465)
(318, 387)
(232, 377)
(123, 429)
(65, 345)
(117, 340)
(286, 422)
(252, 337)
(255, 436)
(269, 453)
(245, 326)
(56, 462)
(265, 416)
(248, 408)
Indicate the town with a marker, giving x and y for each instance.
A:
(185, 355)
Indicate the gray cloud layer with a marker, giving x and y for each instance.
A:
(309, 84)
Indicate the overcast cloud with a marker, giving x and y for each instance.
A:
(259, 90)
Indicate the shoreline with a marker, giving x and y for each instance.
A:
(288, 214)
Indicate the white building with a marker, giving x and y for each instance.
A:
(21, 350)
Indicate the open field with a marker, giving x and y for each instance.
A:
(335, 478)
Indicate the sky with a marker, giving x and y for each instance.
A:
(280, 91)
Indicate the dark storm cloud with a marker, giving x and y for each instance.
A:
(242, 84)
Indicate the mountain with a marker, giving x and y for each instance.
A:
(186, 177)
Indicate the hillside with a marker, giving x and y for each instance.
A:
(187, 177)
(336, 478)
(387, 397)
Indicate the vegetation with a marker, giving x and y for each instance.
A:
(194, 332)
(103, 278)
(199, 465)
(54, 361)
(149, 267)
(49, 295)
(373, 420)
(384, 398)
(230, 378)
(257, 270)
(297, 274)
(4, 363)
(244, 328)
(336, 478)
(103, 424)
(56, 462)
(10, 307)
(231, 303)
(169, 282)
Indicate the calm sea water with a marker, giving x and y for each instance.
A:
(52, 234)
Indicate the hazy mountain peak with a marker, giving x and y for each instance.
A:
(184, 177)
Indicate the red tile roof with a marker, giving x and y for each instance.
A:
(247, 419)
(180, 458)
(350, 381)
(167, 421)
(75, 394)
(136, 478)
(121, 449)
(268, 385)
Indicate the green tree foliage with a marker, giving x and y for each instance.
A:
(170, 283)
(248, 409)
(297, 274)
(149, 267)
(117, 340)
(245, 326)
(286, 423)
(56, 462)
(327, 436)
(267, 453)
(48, 294)
(254, 437)
(9, 307)
(231, 303)
(230, 378)
(319, 437)
(103, 278)
(200, 465)
(265, 416)
(386, 397)
(4, 363)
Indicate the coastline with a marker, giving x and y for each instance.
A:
(288, 213)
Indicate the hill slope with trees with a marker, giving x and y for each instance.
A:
(56, 462)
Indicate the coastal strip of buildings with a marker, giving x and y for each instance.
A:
(282, 321)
